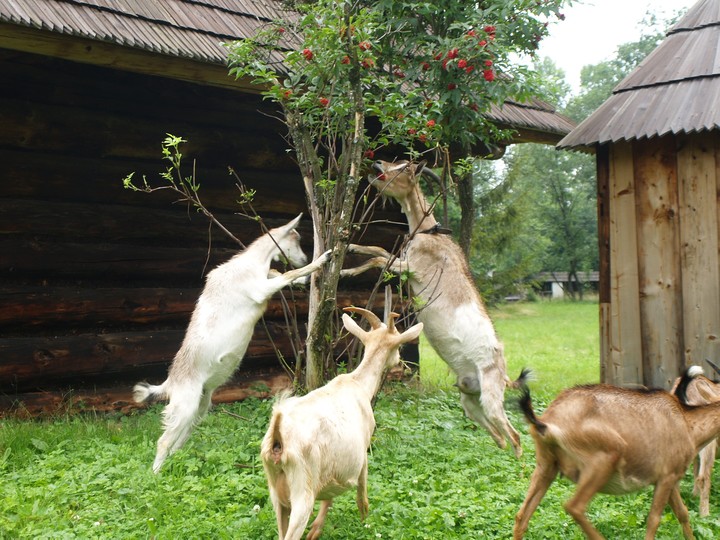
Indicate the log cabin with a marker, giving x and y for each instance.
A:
(97, 282)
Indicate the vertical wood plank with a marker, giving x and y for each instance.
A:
(697, 175)
(625, 366)
(602, 158)
(658, 262)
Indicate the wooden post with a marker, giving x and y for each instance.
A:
(624, 364)
(603, 209)
(658, 263)
(697, 168)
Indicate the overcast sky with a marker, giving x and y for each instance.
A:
(593, 29)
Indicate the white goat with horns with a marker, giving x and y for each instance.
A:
(456, 322)
(233, 300)
(316, 445)
(617, 440)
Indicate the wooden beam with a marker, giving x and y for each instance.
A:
(260, 383)
(603, 210)
(98, 53)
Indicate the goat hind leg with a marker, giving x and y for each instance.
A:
(179, 418)
(667, 490)
(300, 510)
(362, 498)
(319, 521)
(598, 469)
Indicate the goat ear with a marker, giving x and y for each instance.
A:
(411, 333)
(353, 327)
(290, 226)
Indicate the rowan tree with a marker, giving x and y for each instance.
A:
(425, 72)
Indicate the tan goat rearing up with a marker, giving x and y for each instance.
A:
(456, 322)
(616, 440)
(316, 445)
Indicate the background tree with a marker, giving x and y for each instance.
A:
(425, 71)
(549, 197)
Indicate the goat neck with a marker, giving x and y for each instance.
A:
(369, 374)
(265, 250)
(703, 423)
(417, 210)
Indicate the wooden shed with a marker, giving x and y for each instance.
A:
(658, 162)
(97, 282)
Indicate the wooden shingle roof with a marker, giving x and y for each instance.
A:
(194, 30)
(676, 89)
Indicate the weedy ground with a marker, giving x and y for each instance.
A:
(433, 474)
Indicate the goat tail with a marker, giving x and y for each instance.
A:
(527, 409)
(688, 375)
(274, 450)
(147, 393)
(521, 382)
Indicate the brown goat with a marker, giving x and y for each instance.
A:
(616, 440)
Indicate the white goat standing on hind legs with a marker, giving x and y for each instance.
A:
(456, 322)
(316, 445)
(233, 300)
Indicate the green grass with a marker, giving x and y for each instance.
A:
(433, 474)
(557, 340)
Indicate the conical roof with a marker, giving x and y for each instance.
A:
(676, 89)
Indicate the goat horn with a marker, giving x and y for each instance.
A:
(714, 366)
(391, 321)
(373, 319)
(426, 171)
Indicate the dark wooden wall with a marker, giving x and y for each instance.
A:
(97, 282)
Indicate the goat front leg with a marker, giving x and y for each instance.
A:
(703, 474)
(373, 251)
(381, 259)
(297, 275)
(492, 397)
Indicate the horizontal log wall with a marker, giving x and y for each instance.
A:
(97, 282)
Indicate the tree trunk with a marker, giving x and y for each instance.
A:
(467, 209)
(332, 220)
